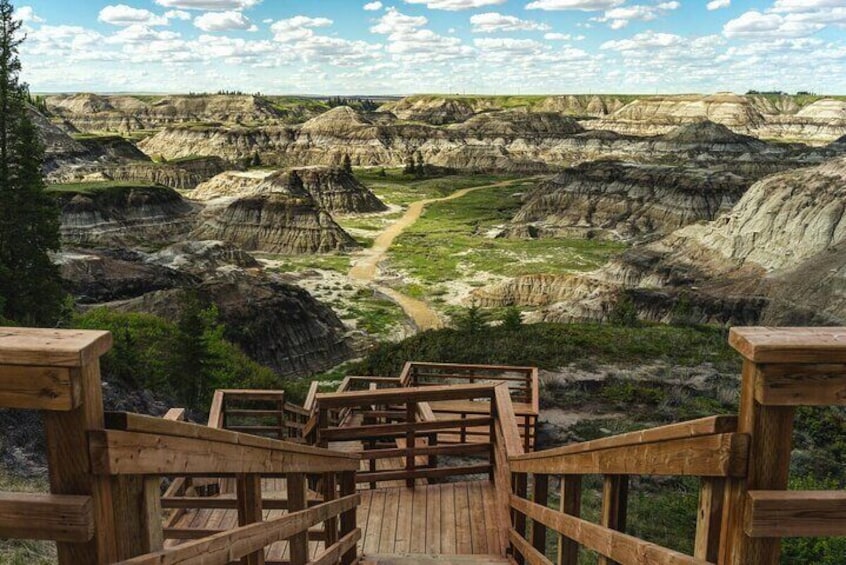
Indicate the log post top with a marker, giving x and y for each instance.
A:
(52, 347)
(790, 345)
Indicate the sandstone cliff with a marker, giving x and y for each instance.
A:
(275, 223)
(332, 188)
(623, 200)
(95, 113)
(757, 260)
(181, 175)
(123, 215)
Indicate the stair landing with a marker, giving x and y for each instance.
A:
(434, 560)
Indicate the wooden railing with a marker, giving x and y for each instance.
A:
(742, 463)
(258, 412)
(396, 423)
(105, 470)
(522, 383)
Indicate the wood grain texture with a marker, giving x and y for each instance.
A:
(796, 513)
(50, 347)
(719, 455)
(38, 388)
(709, 518)
(46, 517)
(617, 546)
(790, 345)
(801, 385)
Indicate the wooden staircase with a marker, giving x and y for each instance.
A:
(440, 468)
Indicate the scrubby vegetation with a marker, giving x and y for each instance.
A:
(185, 361)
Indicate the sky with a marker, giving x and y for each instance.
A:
(370, 47)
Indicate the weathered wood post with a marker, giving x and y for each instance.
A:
(782, 368)
(58, 372)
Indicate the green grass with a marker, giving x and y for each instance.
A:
(376, 315)
(97, 187)
(448, 243)
(297, 263)
(401, 189)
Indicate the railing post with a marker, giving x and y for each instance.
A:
(410, 441)
(348, 518)
(249, 510)
(77, 353)
(297, 501)
(615, 493)
(322, 424)
(571, 504)
(540, 495)
(138, 512)
(330, 526)
(709, 518)
(520, 486)
(770, 430)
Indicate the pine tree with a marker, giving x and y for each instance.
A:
(347, 163)
(409, 165)
(420, 167)
(29, 218)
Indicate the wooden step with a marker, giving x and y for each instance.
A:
(422, 559)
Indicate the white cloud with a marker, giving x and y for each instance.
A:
(224, 21)
(297, 28)
(806, 5)
(755, 25)
(177, 15)
(123, 15)
(211, 5)
(583, 5)
(554, 36)
(717, 4)
(493, 21)
(619, 18)
(27, 14)
(455, 5)
(394, 21)
(644, 41)
(373, 6)
(141, 33)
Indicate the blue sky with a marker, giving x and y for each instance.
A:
(414, 46)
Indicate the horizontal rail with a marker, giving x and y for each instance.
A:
(137, 453)
(39, 388)
(232, 545)
(472, 376)
(693, 428)
(248, 394)
(717, 455)
(789, 345)
(471, 367)
(795, 513)
(457, 449)
(621, 548)
(531, 555)
(46, 517)
(225, 502)
(334, 552)
(400, 429)
(801, 385)
(403, 395)
(424, 473)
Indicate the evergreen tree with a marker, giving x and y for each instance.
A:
(29, 218)
(470, 320)
(512, 319)
(256, 161)
(347, 163)
(409, 165)
(420, 167)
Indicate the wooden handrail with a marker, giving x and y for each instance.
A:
(51, 517)
(232, 545)
(402, 395)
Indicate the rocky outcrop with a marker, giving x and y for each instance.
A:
(275, 223)
(432, 110)
(276, 324)
(203, 257)
(234, 144)
(776, 256)
(764, 117)
(593, 106)
(106, 275)
(95, 113)
(123, 215)
(622, 200)
(181, 175)
(332, 188)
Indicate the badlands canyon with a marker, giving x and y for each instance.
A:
(319, 231)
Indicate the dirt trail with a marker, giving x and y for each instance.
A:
(366, 267)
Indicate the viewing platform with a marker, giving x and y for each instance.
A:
(436, 465)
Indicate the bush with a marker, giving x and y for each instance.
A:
(185, 361)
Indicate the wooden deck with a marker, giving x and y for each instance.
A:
(441, 519)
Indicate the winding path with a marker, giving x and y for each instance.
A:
(366, 268)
